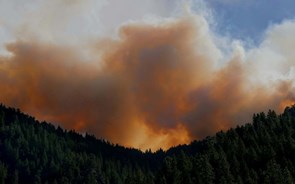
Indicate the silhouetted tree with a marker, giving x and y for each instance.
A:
(34, 152)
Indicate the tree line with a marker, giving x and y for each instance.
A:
(38, 152)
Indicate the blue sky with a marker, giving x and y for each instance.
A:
(248, 19)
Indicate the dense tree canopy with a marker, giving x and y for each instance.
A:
(39, 152)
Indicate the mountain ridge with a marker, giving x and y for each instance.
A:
(38, 152)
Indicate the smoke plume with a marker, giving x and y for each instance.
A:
(156, 85)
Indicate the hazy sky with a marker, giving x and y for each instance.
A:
(147, 73)
(69, 21)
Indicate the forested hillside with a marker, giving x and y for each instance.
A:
(39, 152)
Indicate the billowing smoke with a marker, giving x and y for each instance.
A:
(157, 84)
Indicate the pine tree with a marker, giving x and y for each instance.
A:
(287, 177)
(273, 173)
(170, 171)
(2, 116)
(3, 173)
(14, 179)
(185, 166)
(204, 170)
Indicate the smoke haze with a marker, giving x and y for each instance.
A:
(155, 84)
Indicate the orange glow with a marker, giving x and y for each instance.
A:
(151, 88)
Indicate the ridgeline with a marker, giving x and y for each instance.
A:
(39, 152)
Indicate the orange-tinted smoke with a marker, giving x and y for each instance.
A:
(152, 87)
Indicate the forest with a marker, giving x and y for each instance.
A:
(39, 152)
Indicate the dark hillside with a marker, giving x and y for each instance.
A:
(38, 152)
